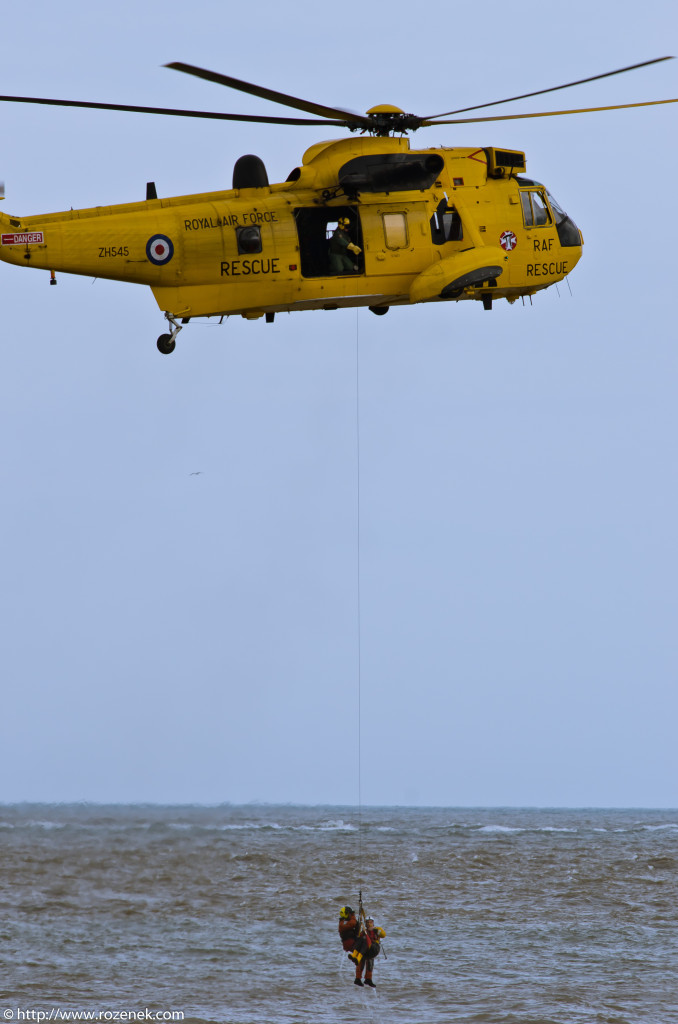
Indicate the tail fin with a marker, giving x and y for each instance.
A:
(5, 219)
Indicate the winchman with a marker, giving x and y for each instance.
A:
(340, 247)
(349, 929)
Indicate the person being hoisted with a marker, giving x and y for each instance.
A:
(340, 247)
(367, 946)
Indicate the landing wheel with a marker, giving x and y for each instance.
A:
(379, 310)
(166, 344)
(487, 302)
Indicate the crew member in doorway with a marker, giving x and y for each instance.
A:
(340, 247)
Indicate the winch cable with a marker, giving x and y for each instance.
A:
(359, 603)
(362, 916)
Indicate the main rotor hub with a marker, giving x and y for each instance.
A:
(385, 119)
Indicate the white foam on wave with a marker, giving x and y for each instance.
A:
(327, 826)
(249, 825)
(500, 828)
(336, 826)
(258, 826)
(47, 825)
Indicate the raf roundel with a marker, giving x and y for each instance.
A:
(160, 250)
(508, 241)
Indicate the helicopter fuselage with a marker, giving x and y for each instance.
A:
(431, 225)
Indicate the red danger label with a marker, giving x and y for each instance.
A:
(22, 238)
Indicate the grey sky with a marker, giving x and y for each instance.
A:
(171, 637)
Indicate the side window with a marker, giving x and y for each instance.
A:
(541, 214)
(535, 210)
(395, 230)
(446, 225)
(249, 239)
(452, 227)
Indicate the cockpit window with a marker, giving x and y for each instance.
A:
(535, 211)
(558, 211)
(568, 232)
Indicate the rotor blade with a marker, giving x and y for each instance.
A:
(545, 113)
(555, 88)
(172, 112)
(270, 94)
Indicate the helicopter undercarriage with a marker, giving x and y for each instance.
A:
(486, 292)
(167, 342)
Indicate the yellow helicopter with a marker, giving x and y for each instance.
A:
(364, 221)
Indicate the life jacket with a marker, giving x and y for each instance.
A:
(348, 932)
(373, 945)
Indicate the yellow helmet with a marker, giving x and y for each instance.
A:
(344, 222)
(346, 912)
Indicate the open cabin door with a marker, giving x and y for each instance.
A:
(315, 227)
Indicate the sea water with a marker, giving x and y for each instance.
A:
(230, 914)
